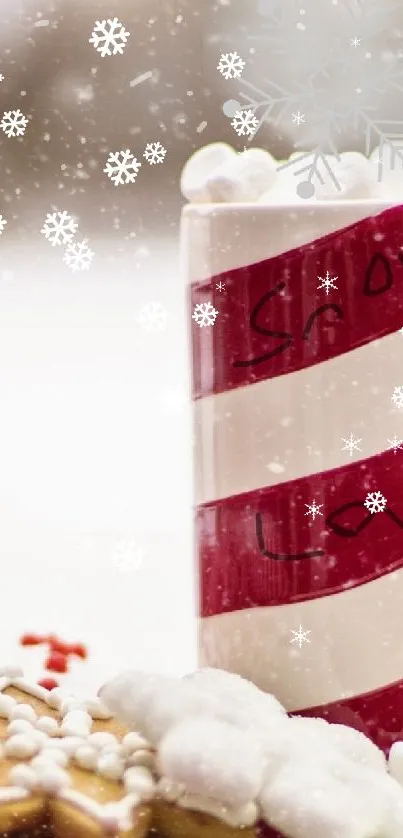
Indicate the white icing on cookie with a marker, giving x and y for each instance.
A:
(69, 744)
(213, 759)
(55, 697)
(110, 766)
(86, 756)
(25, 712)
(31, 689)
(99, 740)
(52, 778)
(21, 746)
(97, 709)
(142, 758)
(7, 704)
(19, 726)
(69, 704)
(139, 781)
(134, 742)
(48, 725)
(54, 756)
(76, 723)
(24, 776)
(169, 790)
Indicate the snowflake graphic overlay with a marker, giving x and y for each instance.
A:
(396, 444)
(78, 256)
(351, 444)
(375, 502)
(245, 122)
(397, 396)
(1, 77)
(332, 82)
(204, 314)
(231, 65)
(122, 167)
(154, 153)
(14, 123)
(109, 37)
(300, 636)
(313, 509)
(59, 228)
(327, 282)
(298, 117)
(3, 223)
(152, 317)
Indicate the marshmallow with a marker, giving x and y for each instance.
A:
(355, 177)
(395, 762)
(212, 759)
(306, 798)
(200, 166)
(243, 178)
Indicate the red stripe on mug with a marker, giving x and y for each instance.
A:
(273, 319)
(266, 548)
(378, 714)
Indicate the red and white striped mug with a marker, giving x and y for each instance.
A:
(298, 398)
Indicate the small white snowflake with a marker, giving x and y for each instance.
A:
(128, 556)
(1, 77)
(245, 122)
(397, 396)
(59, 228)
(396, 444)
(14, 123)
(375, 502)
(152, 317)
(401, 331)
(122, 167)
(109, 37)
(3, 223)
(327, 282)
(298, 117)
(231, 65)
(220, 286)
(313, 509)
(154, 153)
(204, 314)
(300, 636)
(355, 42)
(78, 256)
(351, 444)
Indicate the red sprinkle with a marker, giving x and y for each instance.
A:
(48, 683)
(78, 649)
(32, 640)
(57, 645)
(56, 662)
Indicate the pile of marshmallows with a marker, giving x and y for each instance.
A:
(217, 173)
(221, 739)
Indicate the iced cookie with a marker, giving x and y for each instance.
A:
(67, 768)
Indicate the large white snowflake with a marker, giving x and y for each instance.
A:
(14, 123)
(231, 65)
(78, 256)
(204, 314)
(314, 509)
(3, 223)
(351, 444)
(122, 167)
(109, 37)
(152, 317)
(375, 502)
(154, 153)
(245, 123)
(300, 636)
(327, 282)
(59, 228)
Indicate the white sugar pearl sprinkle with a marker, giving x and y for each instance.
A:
(96, 709)
(86, 757)
(110, 766)
(55, 697)
(7, 704)
(19, 726)
(24, 776)
(139, 781)
(24, 711)
(101, 739)
(46, 724)
(52, 778)
(134, 742)
(21, 746)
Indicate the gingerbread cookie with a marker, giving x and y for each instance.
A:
(67, 767)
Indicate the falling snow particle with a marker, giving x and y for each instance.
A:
(298, 117)
(200, 128)
(78, 256)
(152, 317)
(245, 123)
(42, 23)
(327, 282)
(1, 77)
(396, 444)
(141, 78)
(14, 123)
(59, 228)
(313, 509)
(355, 42)
(109, 37)
(3, 223)
(351, 444)
(204, 314)
(300, 636)
(220, 286)
(375, 502)
(231, 65)
(122, 167)
(154, 153)
(397, 396)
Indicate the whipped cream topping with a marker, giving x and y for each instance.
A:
(217, 173)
